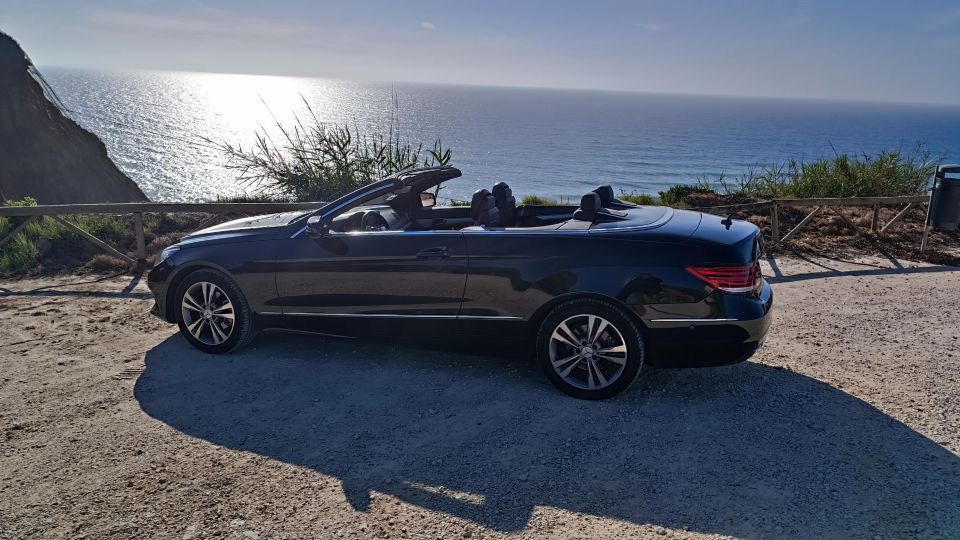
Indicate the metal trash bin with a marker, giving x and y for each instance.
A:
(945, 200)
(943, 211)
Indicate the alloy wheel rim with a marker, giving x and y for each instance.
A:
(588, 352)
(208, 313)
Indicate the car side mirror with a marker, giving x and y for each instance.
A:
(427, 200)
(317, 227)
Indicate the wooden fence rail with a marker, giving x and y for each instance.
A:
(136, 210)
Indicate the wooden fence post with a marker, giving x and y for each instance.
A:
(875, 224)
(774, 222)
(141, 243)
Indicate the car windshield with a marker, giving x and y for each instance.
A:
(362, 201)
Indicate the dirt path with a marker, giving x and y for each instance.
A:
(846, 425)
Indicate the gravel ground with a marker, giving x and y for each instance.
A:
(847, 425)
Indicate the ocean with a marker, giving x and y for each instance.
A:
(558, 143)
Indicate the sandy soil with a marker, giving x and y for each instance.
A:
(846, 425)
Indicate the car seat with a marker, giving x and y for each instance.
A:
(608, 201)
(506, 204)
(591, 210)
(483, 209)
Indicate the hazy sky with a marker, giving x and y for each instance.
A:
(874, 50)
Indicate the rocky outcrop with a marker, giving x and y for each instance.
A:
(43, 153)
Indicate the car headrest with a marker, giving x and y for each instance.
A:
(592, 210)
(605, 193)
(590, 202)
(502, 192)
(483, 209)
(607, 200)
(479, 202)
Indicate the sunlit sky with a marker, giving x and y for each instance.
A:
(866, 50)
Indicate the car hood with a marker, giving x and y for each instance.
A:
(250, 224)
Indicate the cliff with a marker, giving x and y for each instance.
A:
(43, 153)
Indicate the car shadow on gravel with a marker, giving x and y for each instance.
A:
(746, 450)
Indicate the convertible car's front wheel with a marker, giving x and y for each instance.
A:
(212, 312)
(589, 349)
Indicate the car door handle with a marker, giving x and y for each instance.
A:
(434, 253)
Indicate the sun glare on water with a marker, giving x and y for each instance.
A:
(241, 104)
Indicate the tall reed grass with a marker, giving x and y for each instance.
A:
(886, 174)
(316, 161)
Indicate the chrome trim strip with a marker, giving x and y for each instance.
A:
(371, 315)
(490, 317)
(298, 233)
(692, 320)
(398, 316)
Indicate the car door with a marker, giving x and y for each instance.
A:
(413, 274)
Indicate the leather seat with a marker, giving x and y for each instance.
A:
(506, 204)
(607, 200)
(592, 210)
(483, 209)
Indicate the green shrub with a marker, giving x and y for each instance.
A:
(639, 198)
(17, 254)
(886, 174)
(676, 194)
(538, 200)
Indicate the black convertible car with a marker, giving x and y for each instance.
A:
(597, 290)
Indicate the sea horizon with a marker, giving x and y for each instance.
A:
(44, 67)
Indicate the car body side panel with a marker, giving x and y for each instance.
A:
(514, 274)
(372, 273)
(250, 263)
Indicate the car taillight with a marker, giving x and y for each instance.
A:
(731, 279)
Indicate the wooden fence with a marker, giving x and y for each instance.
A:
(137, 210)
(819, 205)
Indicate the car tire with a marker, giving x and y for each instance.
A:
(212, 312)
(590, 348)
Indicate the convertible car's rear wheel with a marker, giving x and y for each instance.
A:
(589, 349)
(212, 312)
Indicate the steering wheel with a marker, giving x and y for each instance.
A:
(373, 221)
(354, 223)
